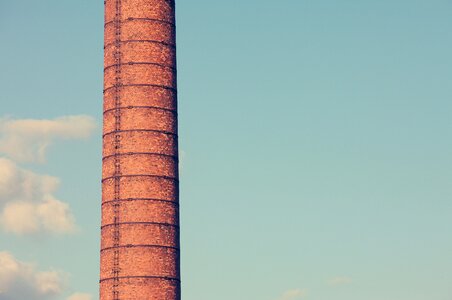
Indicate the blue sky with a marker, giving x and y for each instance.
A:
(315, 137)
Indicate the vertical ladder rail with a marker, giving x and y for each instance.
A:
(117, 145)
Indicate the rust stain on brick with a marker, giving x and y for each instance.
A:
(140, 188)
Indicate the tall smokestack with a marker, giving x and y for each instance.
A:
(140, 215)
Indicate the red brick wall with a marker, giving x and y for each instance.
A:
(140, 190)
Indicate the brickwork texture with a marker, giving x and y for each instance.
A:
(140, 191)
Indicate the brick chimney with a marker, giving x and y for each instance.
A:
(140, 190)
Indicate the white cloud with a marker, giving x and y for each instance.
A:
(339, 280)
(20, 183)
(80, 296)
(28, 204)
(293, 294)
(20, 217)
(27, 140)
(49, 282)
(19, 280)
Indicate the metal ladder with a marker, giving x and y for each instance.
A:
(117, 145)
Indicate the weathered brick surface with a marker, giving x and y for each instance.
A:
(141, 96)
(138, 118)
(142, 211)
(144, 288)
(141, 30)
(142, 52)
(132, 142)
(141, 74)
(140, 188)
(141, 261)
(141, 234)
(142, 164)
(150, 9)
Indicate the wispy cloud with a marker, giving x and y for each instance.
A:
(27, 200)
(293, 294)
(80, 296)
(28, 204)
(339, 280)
(19, 280)
(27, 140)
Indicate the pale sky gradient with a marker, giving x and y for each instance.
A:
(317, 140)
